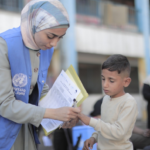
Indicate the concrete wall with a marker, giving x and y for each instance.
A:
(8, 20)
(106, 41)
(92, 39)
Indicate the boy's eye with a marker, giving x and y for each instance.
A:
(103, 79)
(61, 37)
(111, 81)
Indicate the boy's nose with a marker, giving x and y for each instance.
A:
(105, 84)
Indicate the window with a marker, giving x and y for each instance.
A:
(87, 7)
(90, 75)
(11, 5)
(125, 2)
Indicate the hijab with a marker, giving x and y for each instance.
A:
(39, 15)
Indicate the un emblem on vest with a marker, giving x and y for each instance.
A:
(20, 80)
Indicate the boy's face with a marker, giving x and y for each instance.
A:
(114, 83)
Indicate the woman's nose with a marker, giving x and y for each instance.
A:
(54, 41)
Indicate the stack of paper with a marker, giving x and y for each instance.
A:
(66, 88)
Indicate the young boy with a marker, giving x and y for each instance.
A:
(118, 110)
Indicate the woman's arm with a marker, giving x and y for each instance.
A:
(17, 110)
(11, 108)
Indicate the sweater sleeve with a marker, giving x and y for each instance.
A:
(10, 108)
(119, 128)
(95, 136)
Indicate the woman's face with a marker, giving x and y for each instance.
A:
(48, 38)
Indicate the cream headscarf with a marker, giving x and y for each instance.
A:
(38, 15)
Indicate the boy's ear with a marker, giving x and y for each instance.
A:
(127, 81)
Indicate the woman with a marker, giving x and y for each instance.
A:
(25, 55)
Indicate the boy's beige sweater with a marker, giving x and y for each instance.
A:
(117, 121)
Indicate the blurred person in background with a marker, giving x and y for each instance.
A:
(96, 113)
(146, 95)
(147, 148)
(140, 138)
(25, 55)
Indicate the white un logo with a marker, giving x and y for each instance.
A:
(20, 80)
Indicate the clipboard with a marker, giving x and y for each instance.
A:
(83, 93)
(74, 77)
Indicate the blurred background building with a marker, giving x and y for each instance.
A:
(99, 28)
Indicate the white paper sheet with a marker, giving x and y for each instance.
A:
(62, 94)
(47, 141)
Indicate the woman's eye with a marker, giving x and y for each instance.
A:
(50, 37)
(61, 37)
(111, 81)
(103, 79)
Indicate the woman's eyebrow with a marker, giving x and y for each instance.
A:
(55, 34)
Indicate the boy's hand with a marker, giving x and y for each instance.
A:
(89, 143)
(85, 119)
(71, 123)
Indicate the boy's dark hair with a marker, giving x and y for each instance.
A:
(118, 63)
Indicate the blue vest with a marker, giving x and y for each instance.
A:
(21, 73)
